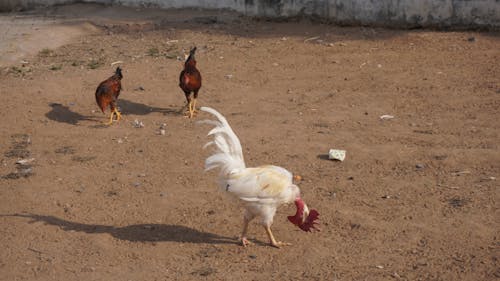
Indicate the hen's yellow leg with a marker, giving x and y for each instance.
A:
(194, 106)
(188, 112)
(118, 115)
(110, 119)
(274, 243)
(191, 110)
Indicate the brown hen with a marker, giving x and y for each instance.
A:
(107, 94)
(190, 82)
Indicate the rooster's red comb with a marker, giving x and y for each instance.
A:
(310, 222)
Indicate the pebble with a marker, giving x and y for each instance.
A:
(138, 124)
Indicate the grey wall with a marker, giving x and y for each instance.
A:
(395, 13)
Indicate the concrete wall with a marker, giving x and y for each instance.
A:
(394, 13)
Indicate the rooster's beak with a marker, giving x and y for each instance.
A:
(306, 213)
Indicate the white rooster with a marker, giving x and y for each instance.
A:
(261, 189)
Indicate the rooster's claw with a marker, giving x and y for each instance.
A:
(245, 242)
(280, 244)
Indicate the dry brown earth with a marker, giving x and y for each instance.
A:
(417, 197)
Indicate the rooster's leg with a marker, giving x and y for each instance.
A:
(244, 240)
(274, 243)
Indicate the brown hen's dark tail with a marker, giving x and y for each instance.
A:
(118, 73)
(193, 50)
(191, 55)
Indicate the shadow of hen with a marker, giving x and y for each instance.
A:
(63, 114)
(130, 107)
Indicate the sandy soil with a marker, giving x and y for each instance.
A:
(417, 197)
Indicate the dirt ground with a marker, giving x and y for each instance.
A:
(417, 197)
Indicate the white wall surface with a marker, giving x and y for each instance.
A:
(395, 13)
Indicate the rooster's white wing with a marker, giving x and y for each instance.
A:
(265, 185)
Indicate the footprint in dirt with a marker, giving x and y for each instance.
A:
(19, 149)
(69, 150)
(65, 150)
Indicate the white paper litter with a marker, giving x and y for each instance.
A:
(25, 161)
(336, 154)
(386, 117)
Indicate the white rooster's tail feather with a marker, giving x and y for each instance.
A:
(228, 154)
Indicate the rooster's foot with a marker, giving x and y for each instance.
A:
(245, 242)
(280, 244)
